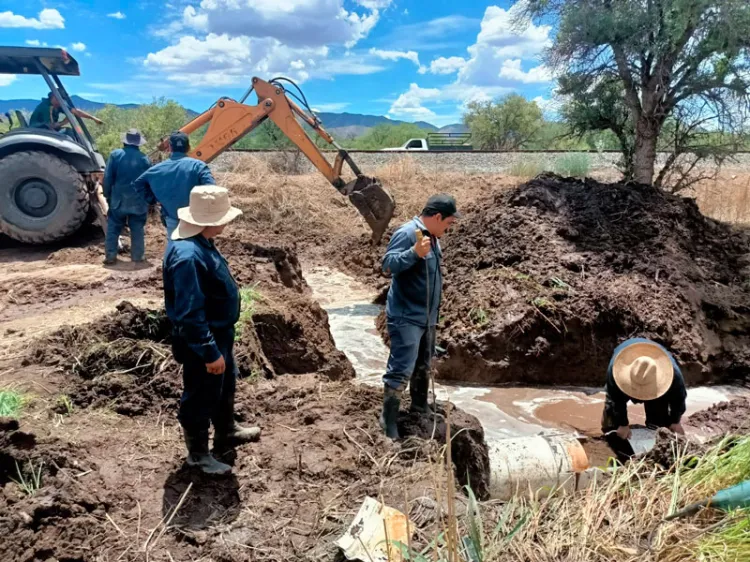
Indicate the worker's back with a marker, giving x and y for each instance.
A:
(169, 183)
(124, 166)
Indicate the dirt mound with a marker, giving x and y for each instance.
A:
(543, 281)
(724, 417)
(50, 500)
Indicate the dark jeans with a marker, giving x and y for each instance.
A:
(411, 351)
(116, 221)
(206, 398)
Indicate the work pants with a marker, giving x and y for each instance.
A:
(116, 221)
(412, 347)
(207, 398)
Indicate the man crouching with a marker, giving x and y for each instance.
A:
(203, 303)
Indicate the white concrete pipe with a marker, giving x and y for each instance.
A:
(535, 464)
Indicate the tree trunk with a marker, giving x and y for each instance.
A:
(644, 158)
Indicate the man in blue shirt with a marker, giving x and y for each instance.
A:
(642, 371)
(413, 260)
(202, 301)
(126, 206)
(169, 182)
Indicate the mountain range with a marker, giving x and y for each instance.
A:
(343, 125)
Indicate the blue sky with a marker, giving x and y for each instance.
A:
(408, 59)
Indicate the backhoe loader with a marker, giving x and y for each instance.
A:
(229, 120)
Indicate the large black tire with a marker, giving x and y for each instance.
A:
(42, 197)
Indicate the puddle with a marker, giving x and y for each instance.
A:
(503, 411)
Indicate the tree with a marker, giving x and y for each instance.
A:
(386, 135)
(508, 124)
(661, 54)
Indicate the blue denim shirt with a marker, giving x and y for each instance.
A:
(124, 166)
(616, 401)
(169, 183)
(200, 294)
(412, 277)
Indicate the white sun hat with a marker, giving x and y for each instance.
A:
(209, 206)
(643, 371)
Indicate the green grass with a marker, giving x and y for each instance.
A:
(543, 303)
(526, 168)
(479, 316)
(249, 297)
(11, 403)
(573, 165)
(66, 404)
(731, 543)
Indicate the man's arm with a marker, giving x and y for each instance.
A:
(677, 398)
(400, 254)
(143, 189)
(84, 115)
(110, 175)
(615, 404)
(205, 176)
(190, 309)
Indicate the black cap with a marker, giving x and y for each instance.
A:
(179, 142)
(441, 203)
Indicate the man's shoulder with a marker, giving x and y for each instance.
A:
(408, 226)
(117, 153)
(183, 251)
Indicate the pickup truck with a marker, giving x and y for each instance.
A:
(437, 142)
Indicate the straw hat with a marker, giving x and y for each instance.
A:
(209, 206)
(643, 371)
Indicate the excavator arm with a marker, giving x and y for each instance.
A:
(228, 121)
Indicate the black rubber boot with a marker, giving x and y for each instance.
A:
(389, 416)
(227, 434)
(198, 455)
(419, 387)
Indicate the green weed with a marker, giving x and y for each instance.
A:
(249, 297)
(65, 405)
(11, 403)
(479, 316)
(526, 168)
(543, 303)
(32, 483)
(573, 165)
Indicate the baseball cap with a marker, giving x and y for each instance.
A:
(442, 203)
(179, 142)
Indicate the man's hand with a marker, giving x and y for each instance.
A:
(217, 367)
(677, 428)
(422, 247)
(98, 121)
(624, 432)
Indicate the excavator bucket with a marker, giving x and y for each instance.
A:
(373, 202)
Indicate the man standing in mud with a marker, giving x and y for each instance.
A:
(203, 303)
(642, 371)
(169, 183)
(413, 260)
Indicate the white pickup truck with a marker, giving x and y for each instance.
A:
(437, 142)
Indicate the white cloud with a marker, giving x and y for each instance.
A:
(374, 4)
(292, 22)
(413, 56)
(443, 65)
(409, 104)
(48, 19)
(334, 106)
(7, 79)
(78, 47)
(512, 70)
(35, 43)
(429, 35)
(117, 15)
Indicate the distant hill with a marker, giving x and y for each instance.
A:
(344, 125)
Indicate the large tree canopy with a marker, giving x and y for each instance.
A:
(657, 59)
(509, 124)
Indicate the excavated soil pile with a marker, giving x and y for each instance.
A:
(543, 281)
(58, 516)
(725, 417)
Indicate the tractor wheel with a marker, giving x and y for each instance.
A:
(42, 197)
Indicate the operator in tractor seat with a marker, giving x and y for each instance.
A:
(642, 371)
(47, 114)
(169, 183)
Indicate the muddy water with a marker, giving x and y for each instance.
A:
(504, 412)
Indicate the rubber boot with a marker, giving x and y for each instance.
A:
(198, 455)
(227, 433)
(419, 392)
(389, 416)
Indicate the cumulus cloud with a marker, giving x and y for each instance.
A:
(375, 4)
(35, 43)
(512, 70)
(443, 65)
(47, 19)
(7, 79)
(78, 47)
(117, 15)
(409, 104)
(413, 56)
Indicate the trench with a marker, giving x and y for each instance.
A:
(506, 413)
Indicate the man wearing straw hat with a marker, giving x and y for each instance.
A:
(643, 371)
(203, 303)
(126, 206)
